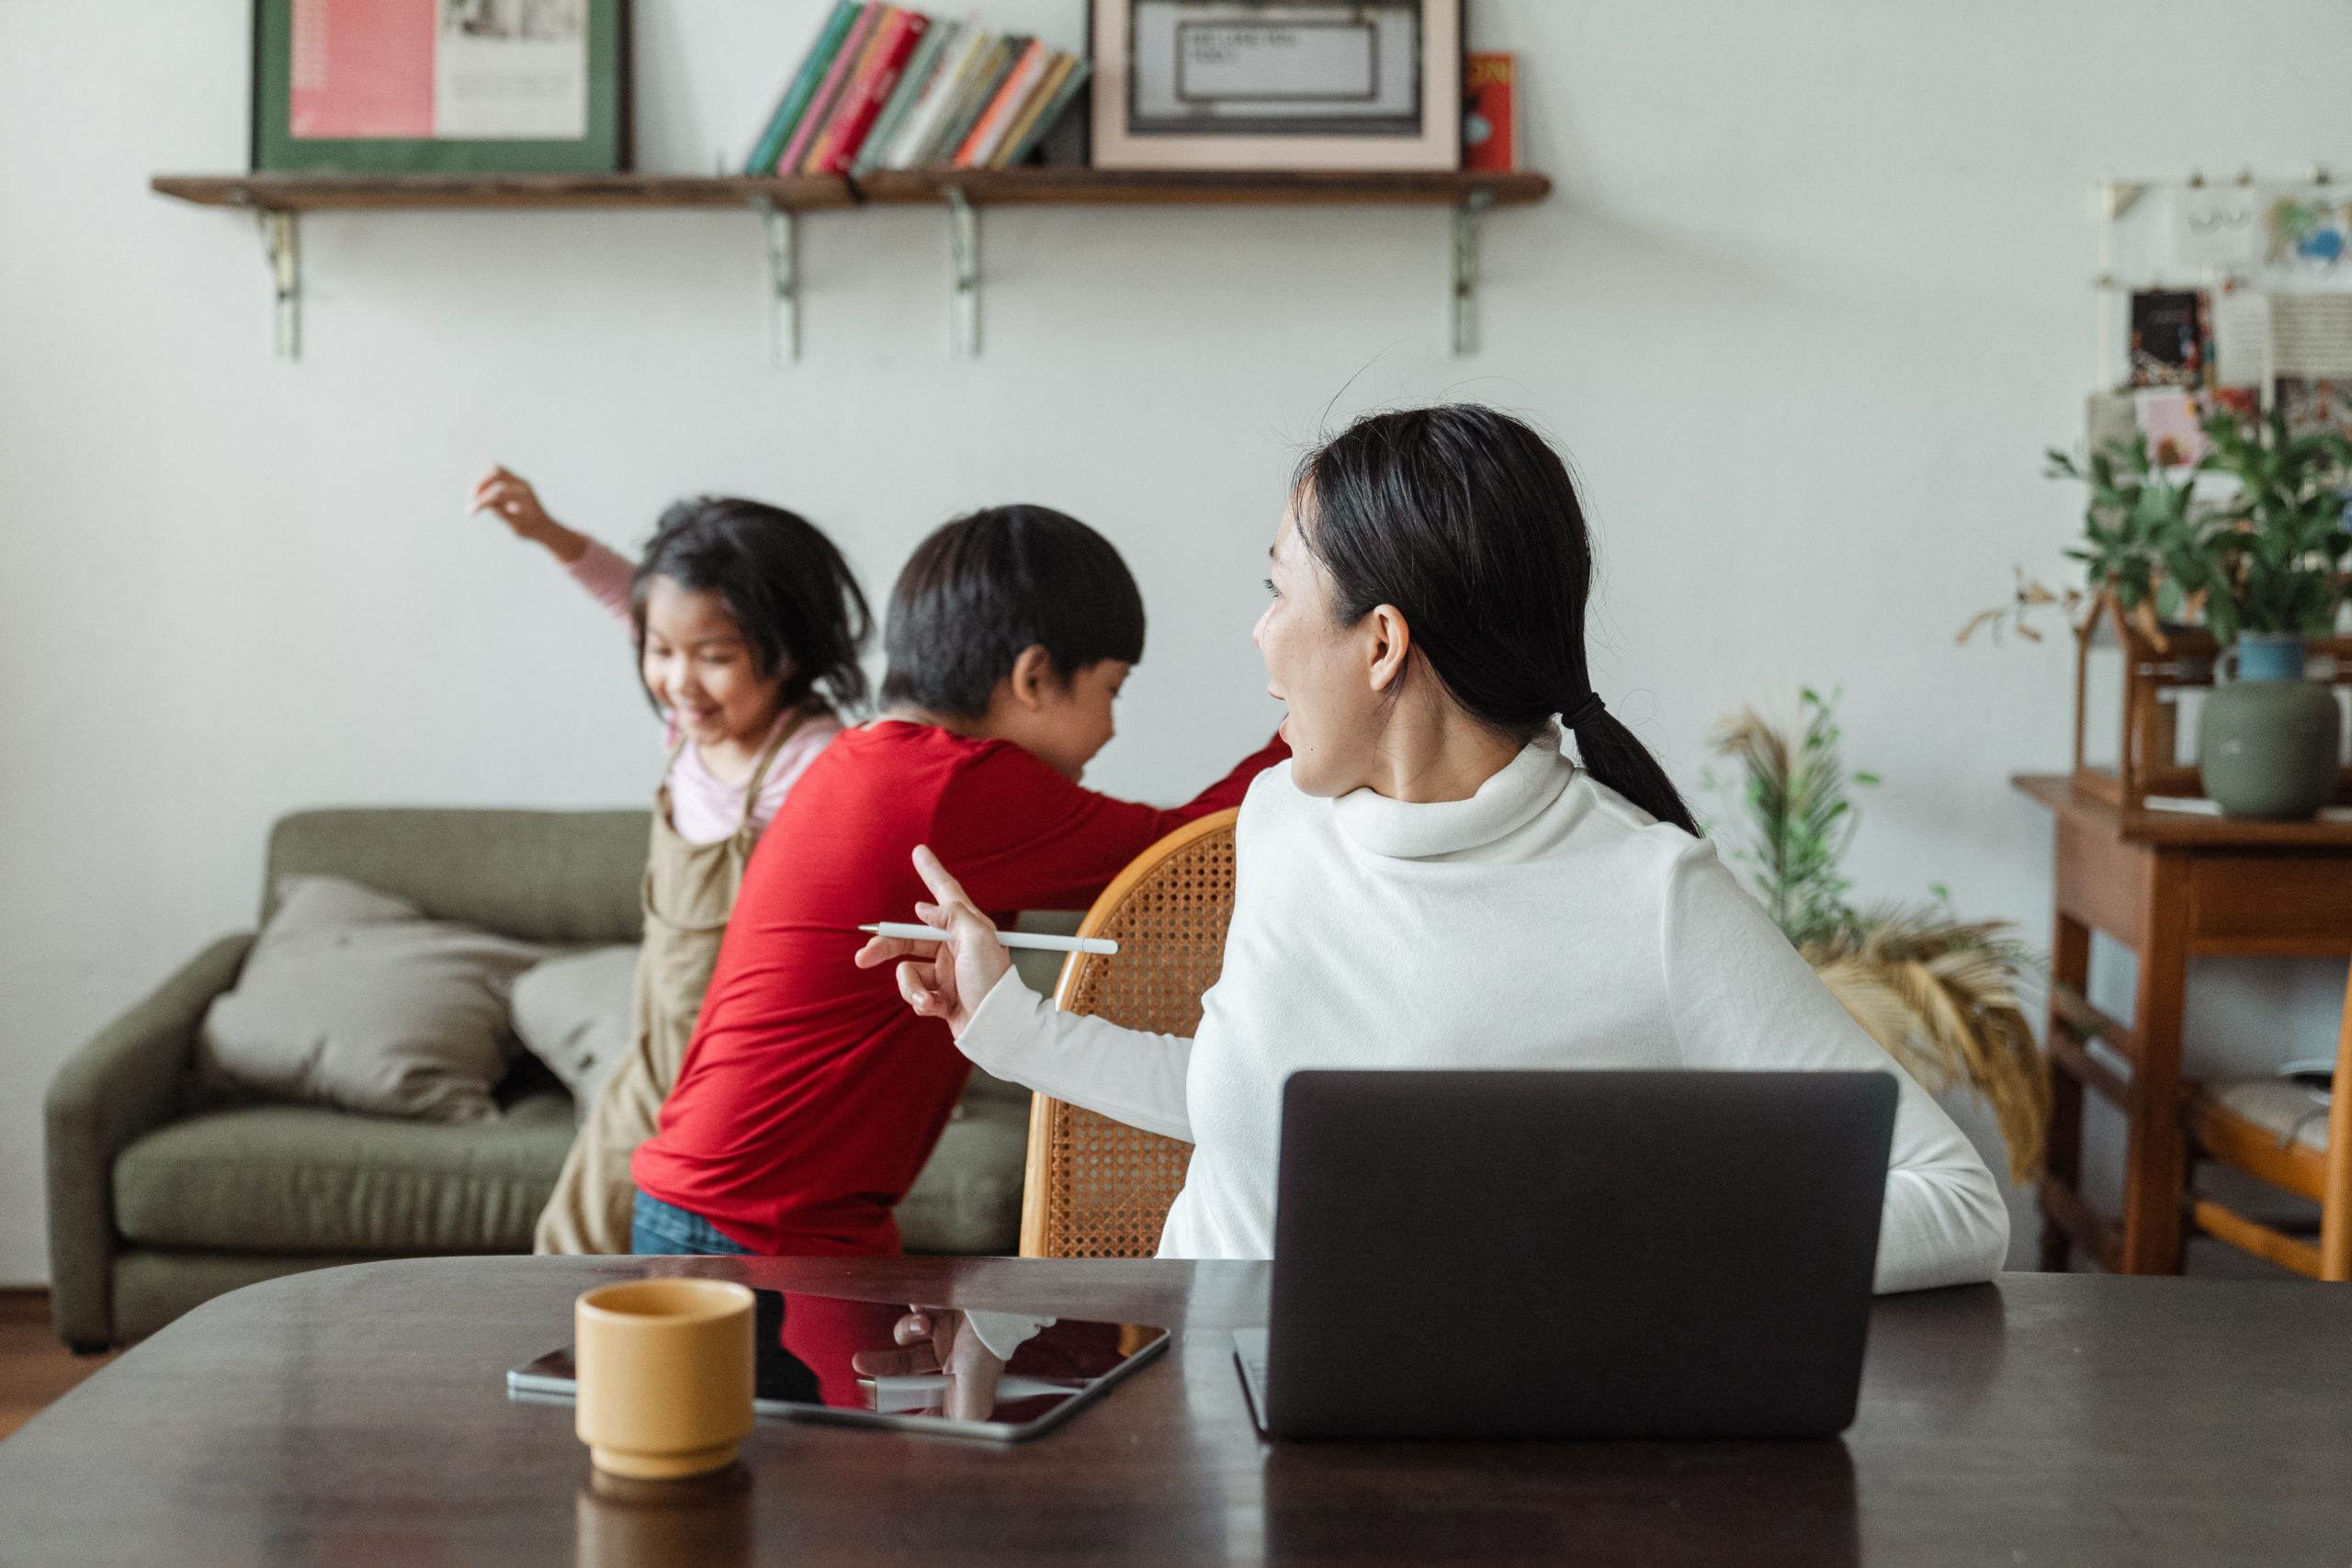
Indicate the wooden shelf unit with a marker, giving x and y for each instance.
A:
(279, 200)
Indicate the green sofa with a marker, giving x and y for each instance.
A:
(158, 1202)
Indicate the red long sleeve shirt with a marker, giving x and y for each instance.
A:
(811, 1095)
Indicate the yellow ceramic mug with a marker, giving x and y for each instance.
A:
(665, 1375)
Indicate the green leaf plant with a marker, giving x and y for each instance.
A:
(1940, 995)
(2268, 559)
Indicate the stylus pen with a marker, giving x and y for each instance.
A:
(1011, 938)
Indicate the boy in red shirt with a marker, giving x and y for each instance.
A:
(810, 1097)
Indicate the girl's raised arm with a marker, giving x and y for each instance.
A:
(607, 576)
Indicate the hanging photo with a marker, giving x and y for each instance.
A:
(401, 87)
(2307, 231)
(2313, 405)
(1259, 85)
(2216, 226)
(2168, 339)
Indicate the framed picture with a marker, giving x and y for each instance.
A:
(449, 86)
(1277, 84)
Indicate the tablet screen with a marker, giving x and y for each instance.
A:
(990, 1373)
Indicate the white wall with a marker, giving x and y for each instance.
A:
(1809, 302)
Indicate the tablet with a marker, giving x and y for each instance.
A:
(997, 1375)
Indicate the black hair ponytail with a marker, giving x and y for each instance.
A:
(1467, 521)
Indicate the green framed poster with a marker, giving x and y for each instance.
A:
(441, 86)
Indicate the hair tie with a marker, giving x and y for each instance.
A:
(1585, 712)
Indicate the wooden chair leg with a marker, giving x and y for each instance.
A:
(2336, 1192)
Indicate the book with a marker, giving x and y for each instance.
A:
(1490, 113)
(803, 86)
(988, 131)
(895, 43)
(828, 89)
(987, 77)
(1057, 68)
(920, 66)
(861, 71)
(939, 99)
(1049, 113)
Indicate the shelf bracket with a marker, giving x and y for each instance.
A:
(281, 240)
(1466, 270)
(783, 281)
(964, 304)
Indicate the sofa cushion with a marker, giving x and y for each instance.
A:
(297, 1178)
(562, 877)
(577, 1013)
(968, 1199)
(351, 998)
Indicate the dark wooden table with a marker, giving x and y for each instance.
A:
(357, 1415)
(2171, 887)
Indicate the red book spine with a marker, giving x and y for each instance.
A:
(862, 105)
(828, 91)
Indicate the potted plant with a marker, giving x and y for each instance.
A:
(1938, 993)
(2269, 741)
(2262, 571)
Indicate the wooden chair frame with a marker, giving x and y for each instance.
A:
(1044, 1204)
(2326, 1179)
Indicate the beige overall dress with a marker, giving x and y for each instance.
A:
(689, 892)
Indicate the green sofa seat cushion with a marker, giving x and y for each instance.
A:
(968, 1199)
(303, 1179)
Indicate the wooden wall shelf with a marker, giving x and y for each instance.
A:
(982, 187)
(279, 200)
(362, 193)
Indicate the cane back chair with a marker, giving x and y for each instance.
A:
(1096, 1188)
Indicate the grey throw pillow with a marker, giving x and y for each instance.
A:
(578, 1014)
(353, 998)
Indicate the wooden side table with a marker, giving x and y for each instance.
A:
(2172, 887)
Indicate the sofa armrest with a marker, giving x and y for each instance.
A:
(126, 1080)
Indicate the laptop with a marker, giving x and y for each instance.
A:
(1571, 1254)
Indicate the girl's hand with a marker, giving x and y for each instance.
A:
(511, 500)
(946, 979)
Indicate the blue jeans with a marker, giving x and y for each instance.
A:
(664, 1230)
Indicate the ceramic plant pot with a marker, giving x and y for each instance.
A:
(2269, 742)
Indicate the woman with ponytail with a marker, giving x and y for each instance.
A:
(1427, 635)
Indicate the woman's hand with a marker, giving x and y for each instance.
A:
(939, 1341)
(509, 498)
(948, 979)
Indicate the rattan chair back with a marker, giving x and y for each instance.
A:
(1097, 1187)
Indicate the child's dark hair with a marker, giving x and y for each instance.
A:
(788, 590)
(1467, 521)
(987, 586)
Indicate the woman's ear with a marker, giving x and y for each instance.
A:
(1033, 674)
(1391, 646)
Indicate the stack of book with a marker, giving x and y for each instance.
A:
(889, 87)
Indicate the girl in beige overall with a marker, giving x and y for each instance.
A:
(748, 627)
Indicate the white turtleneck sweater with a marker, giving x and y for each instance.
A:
(1368, 932)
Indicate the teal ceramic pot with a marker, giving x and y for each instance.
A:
(2269, 742)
